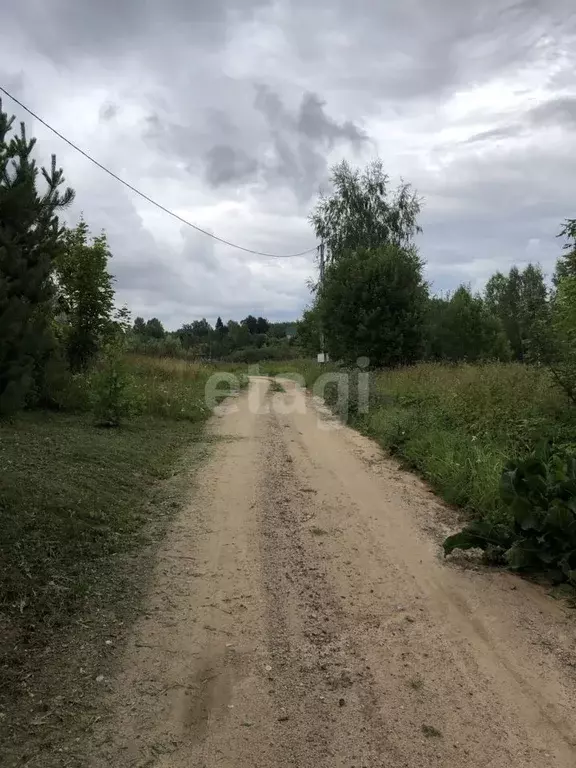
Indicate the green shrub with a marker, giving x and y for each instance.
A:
(113, 393)
(259, 354)
(540, 494)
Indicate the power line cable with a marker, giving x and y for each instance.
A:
(149, 199)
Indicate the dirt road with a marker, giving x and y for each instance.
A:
(301, 615)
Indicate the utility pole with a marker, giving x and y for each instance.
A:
(322, 355)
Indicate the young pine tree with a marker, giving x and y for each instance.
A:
(30, 237)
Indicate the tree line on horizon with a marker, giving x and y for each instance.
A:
(58, 315)
(249, 340)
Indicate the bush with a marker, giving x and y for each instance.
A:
(371, 303)
(260, 354)
(540, 493)
(112, 389)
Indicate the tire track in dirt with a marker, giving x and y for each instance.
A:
(300, 615)
(315, 665)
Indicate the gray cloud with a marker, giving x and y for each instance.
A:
(505, 132)
(111, 28)
(231, 113)
(301, 141)
(559, 111)
(270, 146)
(225, 164)
(298, 142)
(314, 123)
(108, 111)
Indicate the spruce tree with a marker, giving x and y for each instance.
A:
(29, 241)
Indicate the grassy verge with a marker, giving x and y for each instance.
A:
(457, 425)
(80, 508)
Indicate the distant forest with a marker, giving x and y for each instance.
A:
(249, 341)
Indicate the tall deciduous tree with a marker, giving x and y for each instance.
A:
(140, 326)
(361, 212)
(308, 331)
(86, 293)
(251, 323)
(154, 329)
(534, 310)
(558, 337)
(462, 328)
(520, 301)
(195, 335)
(372, 303)
(503, 297)
(30, 238)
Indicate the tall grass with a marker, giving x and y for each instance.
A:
(169, 388)
(458, 425)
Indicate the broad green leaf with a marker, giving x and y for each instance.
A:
(560, 516)
(526, 515)
(533, 466)
(507, 489)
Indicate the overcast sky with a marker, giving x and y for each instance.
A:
(230, 113)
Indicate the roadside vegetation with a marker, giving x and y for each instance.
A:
(476, 391)
(81, 508)
(251, 340)
(92, 440)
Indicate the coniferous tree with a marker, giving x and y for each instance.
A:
(30, 239)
